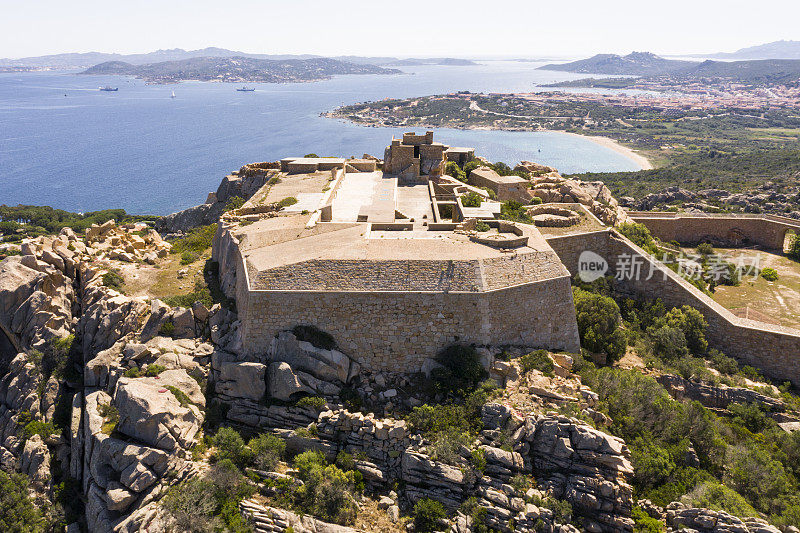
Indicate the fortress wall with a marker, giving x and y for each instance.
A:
(511, 270)
(355, 275)
(773, 349)
(398, 331)
(731, 230)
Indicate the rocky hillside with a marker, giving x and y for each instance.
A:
(122, 413)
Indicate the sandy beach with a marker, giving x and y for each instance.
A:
(631, 154)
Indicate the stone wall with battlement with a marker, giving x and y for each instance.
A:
(773, 349)
(398, 331)
(768, 231)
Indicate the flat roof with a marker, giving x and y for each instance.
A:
(489, 174)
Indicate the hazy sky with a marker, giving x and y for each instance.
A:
(526, 28)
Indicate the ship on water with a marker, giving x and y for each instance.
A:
(109, 89)
(245, 89)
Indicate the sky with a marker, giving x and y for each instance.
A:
(405, 28)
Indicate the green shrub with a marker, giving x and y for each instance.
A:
(515, 212)
(539, 360)
(482, 226)
(39, 427)
(196, 241)
(750, 416)
(536, 200)
(286, 202)
(234, 202)
(110, 415)
(794, 248)
(639, 235)
(723, 363)
(668, 343)
(17, 511)
(472, 199)
(210, 503)
(181, 396)
(113, 280)
(314, 335)
(311, 402)
(187, 258)
(644, 523)
(327, 491)
(691, 322)
(428, 515)
(274, 180)
(599, 322)
(345, 461)
(446, 446)
(267, 451)
(717, 497)
(230, 445)
(154, 370)
(452, 169)
(769, 274)
(133, 372)
(705, 248)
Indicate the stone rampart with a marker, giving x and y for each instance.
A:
(773, 349)
(767, 231)
(398, 331)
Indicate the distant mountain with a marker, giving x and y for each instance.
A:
(633, 64)
(237, 69)
(773, 50)
(88, 59)
(772, 71)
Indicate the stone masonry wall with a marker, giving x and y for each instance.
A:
(732, 230)
(356, 275)
(399, 331)
(773, 349)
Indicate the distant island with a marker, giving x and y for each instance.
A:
(646, 64)
(773, 50)
(237, 69)
(633, 64)
(83, 60)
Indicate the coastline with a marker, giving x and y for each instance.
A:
(608, 142)
(641, 161)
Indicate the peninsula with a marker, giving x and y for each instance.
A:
(238, 70)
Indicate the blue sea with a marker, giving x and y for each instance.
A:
(66, 144)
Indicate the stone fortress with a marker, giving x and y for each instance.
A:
(387, 262)
(385, 257)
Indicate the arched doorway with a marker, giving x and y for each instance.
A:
(788, 240)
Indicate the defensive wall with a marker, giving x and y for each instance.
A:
(768, 231)
(398, 330)
(773, 349)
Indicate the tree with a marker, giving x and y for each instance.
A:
(691, 323)
(598, 324)
(17, 512)
(794, 248)
(452, 169)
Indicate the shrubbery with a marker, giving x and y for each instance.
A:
(210, 503)
(538, 360)
(472, 199)
(599, 324)
(196, 241)
(452, 169)
(769, 274)
(327, 492)
(113, 280)
(428, 515)
(17, 511)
